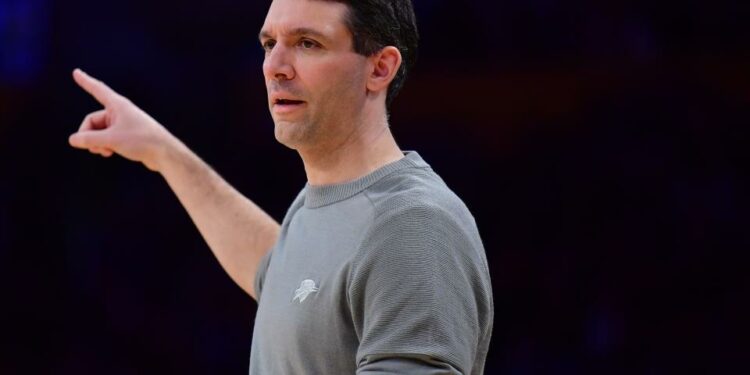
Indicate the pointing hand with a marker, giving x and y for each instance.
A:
(121, 127)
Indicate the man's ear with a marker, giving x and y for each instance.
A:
(385, 64)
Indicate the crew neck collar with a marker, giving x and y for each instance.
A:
(323, 195)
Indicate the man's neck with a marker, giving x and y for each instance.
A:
(358, 155)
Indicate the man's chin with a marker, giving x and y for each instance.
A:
(289, 134)
(288, 123)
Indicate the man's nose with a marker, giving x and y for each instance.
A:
(278, 64)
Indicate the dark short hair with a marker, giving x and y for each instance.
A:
(376, 24)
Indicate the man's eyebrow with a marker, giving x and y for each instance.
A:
(300, 31)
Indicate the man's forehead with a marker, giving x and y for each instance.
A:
(290, 17)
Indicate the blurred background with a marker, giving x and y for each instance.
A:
(601, 145)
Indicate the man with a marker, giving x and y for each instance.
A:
(377, 267)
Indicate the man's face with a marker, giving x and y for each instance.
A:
(315, 81)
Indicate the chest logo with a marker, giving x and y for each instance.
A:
(304, 290)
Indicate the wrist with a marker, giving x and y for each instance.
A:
(167, 154)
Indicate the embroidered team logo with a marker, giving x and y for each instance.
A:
(305, 288)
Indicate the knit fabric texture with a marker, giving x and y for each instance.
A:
(384, 274)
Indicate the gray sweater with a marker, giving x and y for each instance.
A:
(385, 274)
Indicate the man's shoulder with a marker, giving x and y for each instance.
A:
(417, 194)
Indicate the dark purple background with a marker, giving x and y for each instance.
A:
(601, 145)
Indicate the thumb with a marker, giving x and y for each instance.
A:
(89, 139)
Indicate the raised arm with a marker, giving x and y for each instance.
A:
(238, 232)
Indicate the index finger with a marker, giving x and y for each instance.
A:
(98, 89)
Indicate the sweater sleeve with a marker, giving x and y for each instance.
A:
(260, 274)
(419, 294)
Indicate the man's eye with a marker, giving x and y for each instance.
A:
(268, 45)
(308, 44)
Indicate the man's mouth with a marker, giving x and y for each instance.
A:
(288, 102)
(286, 106)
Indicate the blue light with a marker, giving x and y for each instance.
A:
(24, 40)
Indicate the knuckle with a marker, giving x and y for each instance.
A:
(120, 101)
(125, 100)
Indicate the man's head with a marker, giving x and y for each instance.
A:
(330, 63)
